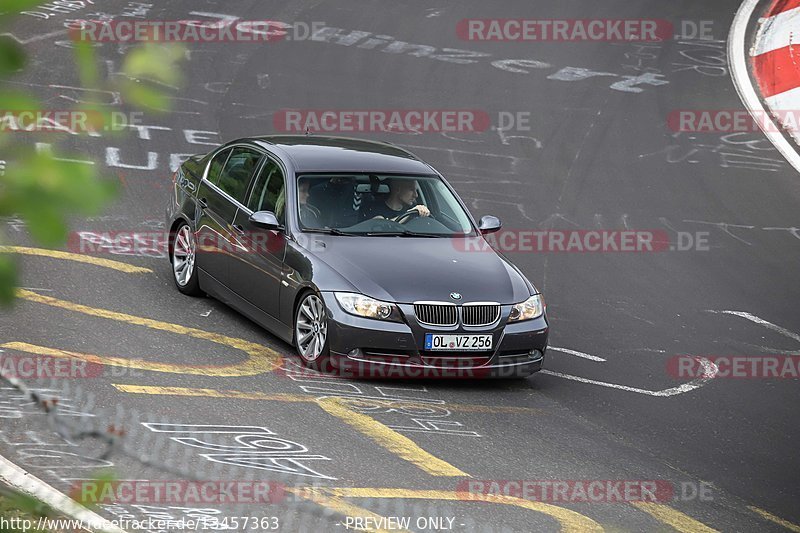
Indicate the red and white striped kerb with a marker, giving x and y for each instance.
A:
(775, 58)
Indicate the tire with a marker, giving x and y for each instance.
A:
(182, 258)
(311, 331)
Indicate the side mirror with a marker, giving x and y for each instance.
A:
(489, 224)
(266, 220)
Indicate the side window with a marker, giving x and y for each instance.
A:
(195, 165)
(216, 165)
(235, 177)
(444, 207)
(269, 192)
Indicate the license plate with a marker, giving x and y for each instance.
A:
(435, 342)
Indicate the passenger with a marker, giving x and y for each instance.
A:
(402, 198)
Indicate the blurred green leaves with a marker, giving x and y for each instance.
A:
(140, 65)
(93, 494)
(16, 507)
(8, 278)
(11, 7)
(87, 66)
(12, 58)
(44, 190)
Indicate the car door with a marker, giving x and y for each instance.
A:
(219, 196)
(257, 266)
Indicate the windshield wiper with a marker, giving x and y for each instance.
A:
(404, 233)
(329, 231)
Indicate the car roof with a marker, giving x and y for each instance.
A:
(318, 153)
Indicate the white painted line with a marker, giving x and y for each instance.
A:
(35, 37)
(709, 373)
(29, 484)
(760, 321)
(577, 354)
(737, 61)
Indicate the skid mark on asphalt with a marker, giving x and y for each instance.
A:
(676, 519)
(260, 359)
(387, 438)
(570, 521)
(777, 520)
(391, 440)
(78, 258)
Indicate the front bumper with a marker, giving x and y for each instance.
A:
(364, 347)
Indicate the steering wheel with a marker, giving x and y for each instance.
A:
(408, 215)
(309, 215)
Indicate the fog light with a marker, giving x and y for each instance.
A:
(354, 353)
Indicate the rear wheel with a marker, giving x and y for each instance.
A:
(311, 331)
(184, 250)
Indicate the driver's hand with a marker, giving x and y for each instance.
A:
(422, 210)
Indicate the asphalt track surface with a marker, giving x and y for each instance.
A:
(595, 157)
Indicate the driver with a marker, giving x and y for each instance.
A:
(309, 215)
(402, 198)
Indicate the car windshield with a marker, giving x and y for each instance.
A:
(380, 205)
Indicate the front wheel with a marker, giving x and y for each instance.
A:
(311, 331)
(183, 254)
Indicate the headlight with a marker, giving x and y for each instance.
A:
(360, 305)
(531, 308)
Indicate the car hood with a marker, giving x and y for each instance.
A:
(407, 269)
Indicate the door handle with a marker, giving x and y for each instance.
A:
(239, 229)
(203, 203)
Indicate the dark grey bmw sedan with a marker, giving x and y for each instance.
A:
(358, 253)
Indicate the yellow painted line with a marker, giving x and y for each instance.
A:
(387, 438)
(211, 393)
(259, 361)
(79, 258)
(674, 518)
(393, 441)
(772, 518)
(343, 508)
(570, 521)
(216, 393)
